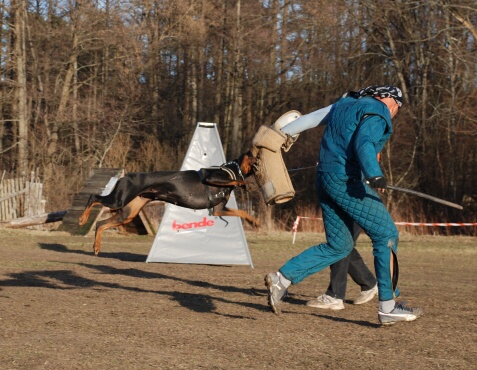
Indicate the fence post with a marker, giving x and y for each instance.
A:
(295, 228)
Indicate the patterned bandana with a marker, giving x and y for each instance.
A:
(382, 92)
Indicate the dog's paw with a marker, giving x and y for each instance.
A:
(96, 249)
(82, 220)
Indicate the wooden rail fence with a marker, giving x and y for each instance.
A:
(21, 197)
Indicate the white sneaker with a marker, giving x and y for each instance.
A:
(366, 295)
(401, 312)
(326, 302)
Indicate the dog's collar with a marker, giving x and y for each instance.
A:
(232, 172)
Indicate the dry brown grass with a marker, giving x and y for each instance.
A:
(63, 308)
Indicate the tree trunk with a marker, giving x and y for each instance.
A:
(20, 105)
(237, 106)
(219, 66)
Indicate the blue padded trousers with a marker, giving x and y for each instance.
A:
(344, 200)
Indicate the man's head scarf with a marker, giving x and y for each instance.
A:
(382, 92)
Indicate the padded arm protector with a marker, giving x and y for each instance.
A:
(271, 173)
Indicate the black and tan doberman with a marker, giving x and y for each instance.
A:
(208, 188)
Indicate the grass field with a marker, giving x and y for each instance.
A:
(63, 308)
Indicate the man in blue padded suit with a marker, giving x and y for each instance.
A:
(353, 264)
(359, 124)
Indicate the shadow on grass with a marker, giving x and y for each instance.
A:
(70, 280)
(301, 302)
(197, 302)
(122, 256)
(344, 320)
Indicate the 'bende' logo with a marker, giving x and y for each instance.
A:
(192, 225)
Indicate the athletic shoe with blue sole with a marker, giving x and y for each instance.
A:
(401, 312)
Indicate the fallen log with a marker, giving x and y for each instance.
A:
(44, 218)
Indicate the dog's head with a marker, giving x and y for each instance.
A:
(246, 162)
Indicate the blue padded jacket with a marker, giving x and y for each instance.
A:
(357, 131)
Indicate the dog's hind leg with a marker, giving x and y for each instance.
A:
(122, 216)
(92, 201)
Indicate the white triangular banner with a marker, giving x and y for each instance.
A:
(192, 236)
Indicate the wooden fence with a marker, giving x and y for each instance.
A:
(21, 197)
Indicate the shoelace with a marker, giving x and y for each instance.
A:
(326, 299)
(401, 306)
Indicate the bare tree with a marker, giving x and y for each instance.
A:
(100, 85)
(19, 106)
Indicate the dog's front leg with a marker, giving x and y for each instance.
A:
(237, 213)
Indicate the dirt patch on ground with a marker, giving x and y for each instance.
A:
(63, 308)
